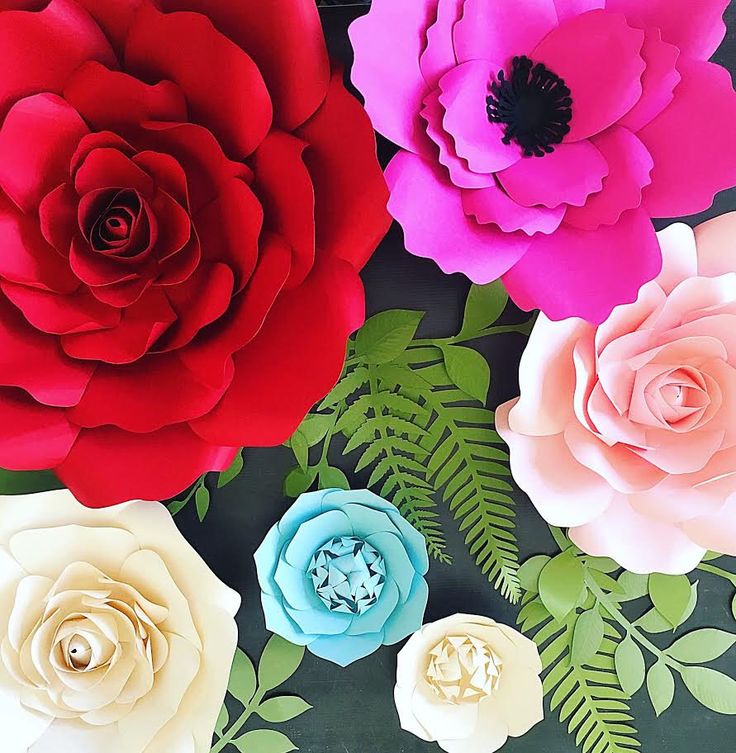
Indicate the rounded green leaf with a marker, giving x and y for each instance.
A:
(202, 501)
(298, 481)
(300, 448)
(587, 637)
(670, 595)
(603, 564)
(282, 708)
(222, 719)
(279, 661)
(242, 683)
(28, 482)
(634, 586)
(529, 572)
(333, 478)
(701, 645)
(630, 667)
(468, 370)
(661, 687)
(560, 584)
(653, 622)
(314, 427)
(230, 473)
(386, 336)
(484, 304)
(264, 741)
(713, 689)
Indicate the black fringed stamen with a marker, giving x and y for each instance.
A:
(534, 103)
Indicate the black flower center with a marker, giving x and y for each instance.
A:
(535, 105)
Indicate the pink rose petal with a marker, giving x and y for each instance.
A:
(716, 531)
(429, 208)
(597, 55)
(679, 255)
(716, 241)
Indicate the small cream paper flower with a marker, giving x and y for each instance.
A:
(468, 683)
(114, 634)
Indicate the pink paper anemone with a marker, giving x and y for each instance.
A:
(538, 137)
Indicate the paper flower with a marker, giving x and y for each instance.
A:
(468, 683)
(539, 136)
(626, 432)
(343, 573)
(186, 198)
(114, 634)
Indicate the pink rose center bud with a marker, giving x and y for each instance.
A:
(534, 103)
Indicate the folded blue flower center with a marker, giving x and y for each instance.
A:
(348, 574)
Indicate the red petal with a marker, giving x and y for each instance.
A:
(223, 86)
(350, 191)
(293, 362)
(97, 269)
(107, 465)
(110, 168)
(141, 397)
(57, 215)
(37, 140)
(101, 140)
(33, 437)
(113, 100)
(167, 174)
(285, 39)
(114, 16)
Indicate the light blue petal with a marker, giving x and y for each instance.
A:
(414, 542)
(296, 586)
(345, 649)
(320, 621)
(407, 618)
(366, 520)
(375, 618)
(279, 622)
(307, 506)
(398, 565)
(267, 557)
(313, 534)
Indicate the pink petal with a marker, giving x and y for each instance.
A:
(638, 543)
(658, 81)
(430, 210)
(679, 255)
(492, 30)
(716, 246)
(439, 55)
(570, 8)
(387, 42)
(564, 492)
(697, 28)
(566, 176)
(597, 54)
(460, 174)
(716, 531)
(629, 165)
(480, 142)
(586, 273)
(493, 205)
(691, 142)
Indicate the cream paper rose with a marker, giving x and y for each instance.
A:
(115, 636)
(468, 683)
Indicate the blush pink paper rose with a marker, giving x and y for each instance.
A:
(538, 137)
(626, 432)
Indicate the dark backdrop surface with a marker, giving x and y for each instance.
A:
(353, 707)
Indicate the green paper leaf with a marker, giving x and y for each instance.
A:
(228, 475)
(298, 481)
(713, 689)
(561, 583)
(282, 708)
(634, 586)
(386, 335)
(242, 683)
(709, 556)
(701, 645)
(315, 426)
(587, 637)
(222, 719)
(468, 370)
(653, 622)
(661, 687)
(630, 667)
(529, 572)
(333, 478)
(484, 304)
(603, 564)
(670, 595)
(202, 501)
(264, 741)
(300, 448)
(28, 482)
(279, 661)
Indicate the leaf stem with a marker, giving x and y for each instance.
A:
(323, 458)
(237, 725)
(720, 572)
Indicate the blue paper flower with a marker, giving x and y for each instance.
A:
(343, 573)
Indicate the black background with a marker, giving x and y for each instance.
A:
(353, 707)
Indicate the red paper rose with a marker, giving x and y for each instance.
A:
(187, 197)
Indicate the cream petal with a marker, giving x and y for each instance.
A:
(28, 608)
(679, 255)
(442, 719)
(21, 727)
(489, 735)
(717, 245)
(518, 700)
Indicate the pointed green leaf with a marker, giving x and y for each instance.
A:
(333, 478)
(282, 708)
(701, 646)
(529, 572)
(661, 687)
(300, 448)
(630, 667)
(634, 586)
(468, 370)
(713, 689)
(587, 637)
(670, 595)
(222, 719)
(279, 661)
(386, 335)
(28, 482)
(264, 741)
(242, 683)
(202, 501)
(561, 583)
(298, 481)
(230, 473)
(485, 303)
(315, 426)
(653, 622)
